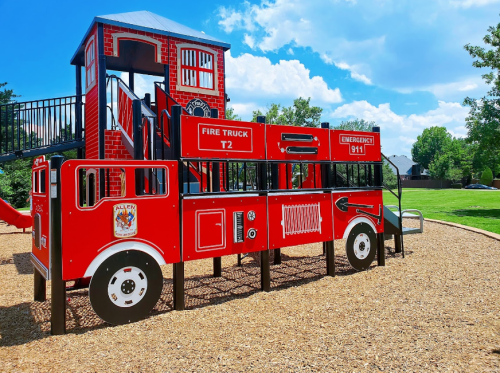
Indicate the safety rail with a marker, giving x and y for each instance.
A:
(33, 128)
(398, 196)
(236, 176)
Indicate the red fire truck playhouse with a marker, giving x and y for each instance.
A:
(169, 180)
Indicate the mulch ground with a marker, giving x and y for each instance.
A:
(435, 310)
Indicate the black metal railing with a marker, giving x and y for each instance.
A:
(398, 196)
(37, 127)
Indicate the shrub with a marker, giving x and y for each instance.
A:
(486, 176)
(456, 186)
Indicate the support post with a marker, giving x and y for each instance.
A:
(330, 258)
(380, 249)
(239, 260)
(218, 267)
(58, 285)
(40, 288)
(79, 129)
(147, 100)
(131, 81)
(328, 246)
(397, 243)
(262, 167)
(103, 113)
(138, 150)
(265, 271)
(178, 272)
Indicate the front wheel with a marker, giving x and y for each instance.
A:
(361, 246)
(126, 287)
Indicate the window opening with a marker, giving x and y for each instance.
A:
(197, 68)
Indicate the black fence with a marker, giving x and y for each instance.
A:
(34, 128)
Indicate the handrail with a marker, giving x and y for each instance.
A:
(400, 192)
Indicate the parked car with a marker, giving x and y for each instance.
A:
(479, 186)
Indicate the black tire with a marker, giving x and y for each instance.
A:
(126, 287)
(361, 246)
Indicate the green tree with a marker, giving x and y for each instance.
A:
(301, 113)
(454, 162)
(388, 176)
(231, 115)
(6, 95)
(483, 122)
(356, 125)
(486, 176)
(429, 144)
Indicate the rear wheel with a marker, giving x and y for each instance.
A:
(361, 246)
(126, 287)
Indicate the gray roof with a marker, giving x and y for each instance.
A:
(150, 22)
(403, 163)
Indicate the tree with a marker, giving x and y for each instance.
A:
(6, 95)
(429, 144)
(483, 122)
(454, 162)
(356, 125)
(231, 115)
(486, 177)
(301, 113)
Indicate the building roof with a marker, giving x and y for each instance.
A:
(150, 22)
(403, 163)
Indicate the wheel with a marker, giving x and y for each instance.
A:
(126, 287)
(361, 246)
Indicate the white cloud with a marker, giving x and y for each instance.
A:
(249, 40)
(468, 87)
(245, 110)
(447, 113)
(449, 91)
(258, 77)
(460, 131)
(354, 72)
(472, 3)
(302, 24)
(407, 140)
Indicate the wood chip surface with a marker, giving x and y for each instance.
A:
(435, 310)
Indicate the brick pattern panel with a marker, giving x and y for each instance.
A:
(92, 114)
(180, 96)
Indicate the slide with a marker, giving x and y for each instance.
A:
(13, 217)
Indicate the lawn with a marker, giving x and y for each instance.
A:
(475, 208)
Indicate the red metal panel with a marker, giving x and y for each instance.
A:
(220, 138)
(297, 143)
(371, 198)
(351, 146)
(208, 226)
(299, 218)
(87, 231)
(40, 205)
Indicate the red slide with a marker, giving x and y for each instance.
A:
(13, 217)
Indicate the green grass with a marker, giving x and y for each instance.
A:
(475, 208)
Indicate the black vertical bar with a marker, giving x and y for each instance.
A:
(378, 167)
(330, 258)
(178, 274)
(138, 145)
(218, 267)
(209, 178)
(239, 260)
(131, 81)
(397, 243)
(147, 100)
(58, 285)
(101, 82)
(286, 174)
(262, 169)
(40, 287)
(380, 249)
(359, 177)
(244, 175)
(265, 271)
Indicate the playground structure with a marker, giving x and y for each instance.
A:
(170, 180)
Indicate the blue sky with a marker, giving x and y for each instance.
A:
(400, 63)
